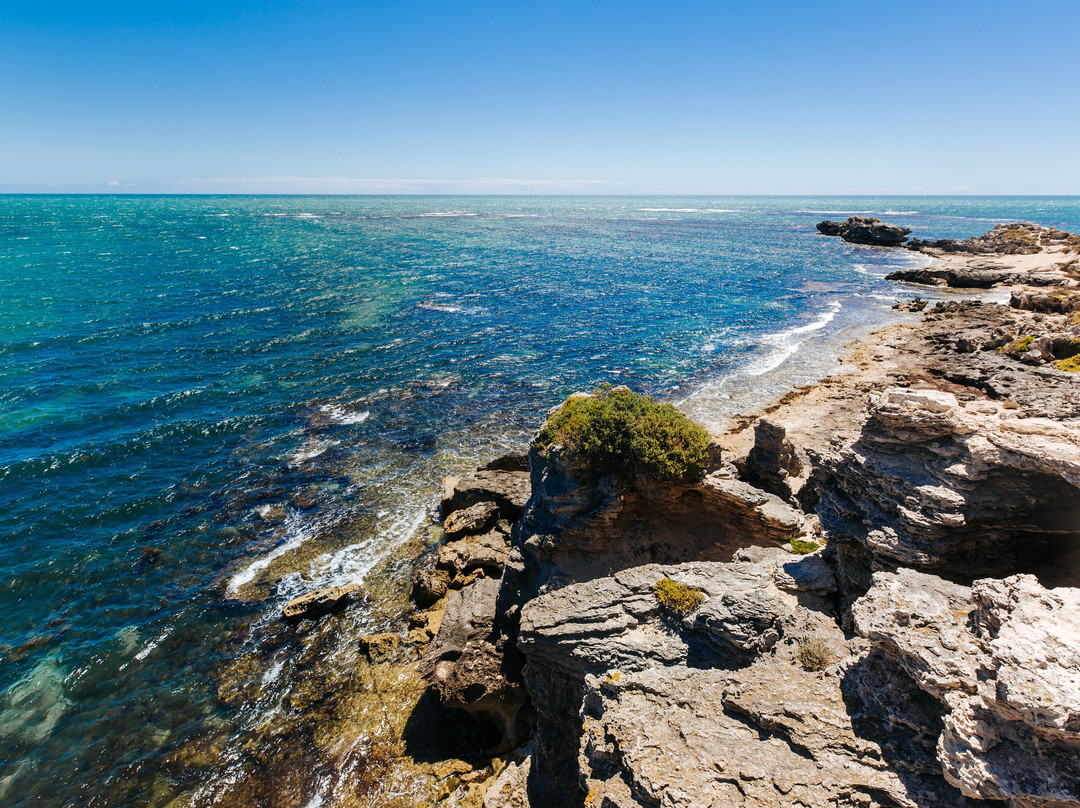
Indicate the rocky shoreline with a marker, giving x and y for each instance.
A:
(885, 562)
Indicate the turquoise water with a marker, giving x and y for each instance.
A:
(211, 404)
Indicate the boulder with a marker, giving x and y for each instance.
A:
(488, 551)
(318, 603)
(379, 648)
(474, 519)
(429, 586)
(509, 490)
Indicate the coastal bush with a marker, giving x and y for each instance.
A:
(803, 546)
(814, 655)
(620, 432)
(677, 598)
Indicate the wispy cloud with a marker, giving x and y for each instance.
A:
(380, 185)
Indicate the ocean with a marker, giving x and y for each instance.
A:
(212, 404)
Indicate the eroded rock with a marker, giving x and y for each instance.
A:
(509, 490)
(476, 518)
(1002, 657)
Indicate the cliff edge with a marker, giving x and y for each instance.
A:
(868, 598)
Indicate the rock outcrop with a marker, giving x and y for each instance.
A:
(923, 657)
(1018, 238)
(469, 664)
(969, 489)
(866, 230)
(743, 702)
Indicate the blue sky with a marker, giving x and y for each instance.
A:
(576, 97)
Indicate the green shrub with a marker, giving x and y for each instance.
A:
(803, 546)
(626, 434)
(814, 655)
(678, 598)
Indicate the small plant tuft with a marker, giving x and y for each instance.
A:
(678, 598)
(619, 432)
(814, 655)
(803, 546)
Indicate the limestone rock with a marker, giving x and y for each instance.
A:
(464, 663)
(477, 518)
(318, 603)
(429, 586)
(1017, 238)
(1003, 658)
(975, 489)
(489, 551)
(509, 490)
(866, 230)
(380, 647)
(613, 627)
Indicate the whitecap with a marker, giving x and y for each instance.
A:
(339, 415)
(786, 342)
(447, 307)
(687, 210)
(297, 535)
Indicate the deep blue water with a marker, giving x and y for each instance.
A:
(173, 367)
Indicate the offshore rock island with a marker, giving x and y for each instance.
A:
(867, 597)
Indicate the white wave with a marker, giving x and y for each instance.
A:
(272, 673)
(339, 415)
(444, 213)
(351, 564)
(448, 307)
(311, 449)
(688, 210)
(297, 535)
(786, 342)
(860, 212)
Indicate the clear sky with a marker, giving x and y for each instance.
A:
(576, 97)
